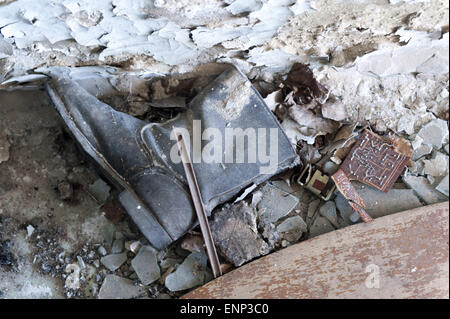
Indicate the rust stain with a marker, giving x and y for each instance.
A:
(411, 250)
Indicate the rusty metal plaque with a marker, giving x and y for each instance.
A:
(374, 161)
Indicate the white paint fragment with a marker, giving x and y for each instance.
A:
(207, 38)
(30, 230)
(241, 6)
(271, 58)
(422, 54)
(301, 6)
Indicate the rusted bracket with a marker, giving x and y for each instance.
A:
(198, 204)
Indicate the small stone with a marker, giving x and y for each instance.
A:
(166, 263)
(99, 190)
(102, 251)
(191, 273)
(292, 228)
(313, 207)
(146, 266)
(330, 168)
(275, 204)
(421, 151)
(345, 210)
(114, 261)
(424, 189)
(193, 243)
(97, 263)
(117, 246)
(328, 210)
(435, 133)
(443, 186)
(235, 233)
(354, 217)
(320, 226)
(30, 230)
(81, 262)
(115, 287)
(133, 246)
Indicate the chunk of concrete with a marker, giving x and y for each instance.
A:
(117, 246)
(443, 186)
(235, 233)
(191, 273)
(437, 166)
(115, 287)
(275, 204)
(424, 189)
(113, 261)
(328, 210)
(420, 151)
(435, 133)
(146, 266)
(380, 204)
(292, 228)
(320, 226)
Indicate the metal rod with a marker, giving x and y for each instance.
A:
(198, 204)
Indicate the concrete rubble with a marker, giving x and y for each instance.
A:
(380, 64)
(191, 273)
(235, 233)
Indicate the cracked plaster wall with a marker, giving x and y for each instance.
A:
(385, 60)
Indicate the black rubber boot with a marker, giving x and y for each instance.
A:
(138, 155)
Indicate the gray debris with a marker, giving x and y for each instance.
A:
(115, 287)
(191, 273)
(345, 210)
(275, 204)
(422, 150)
(320, 226)
(354, 217)
(330, 168)
(424, 189)
(99, 190)
(328, 210)
(443, 186)
(235, 233)
(434, 133)
(117, 246)
(133, 246)
(146, 266)
(114, 261)
(102, 251)
(380, 204)
(292, 228)
(81, 262)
